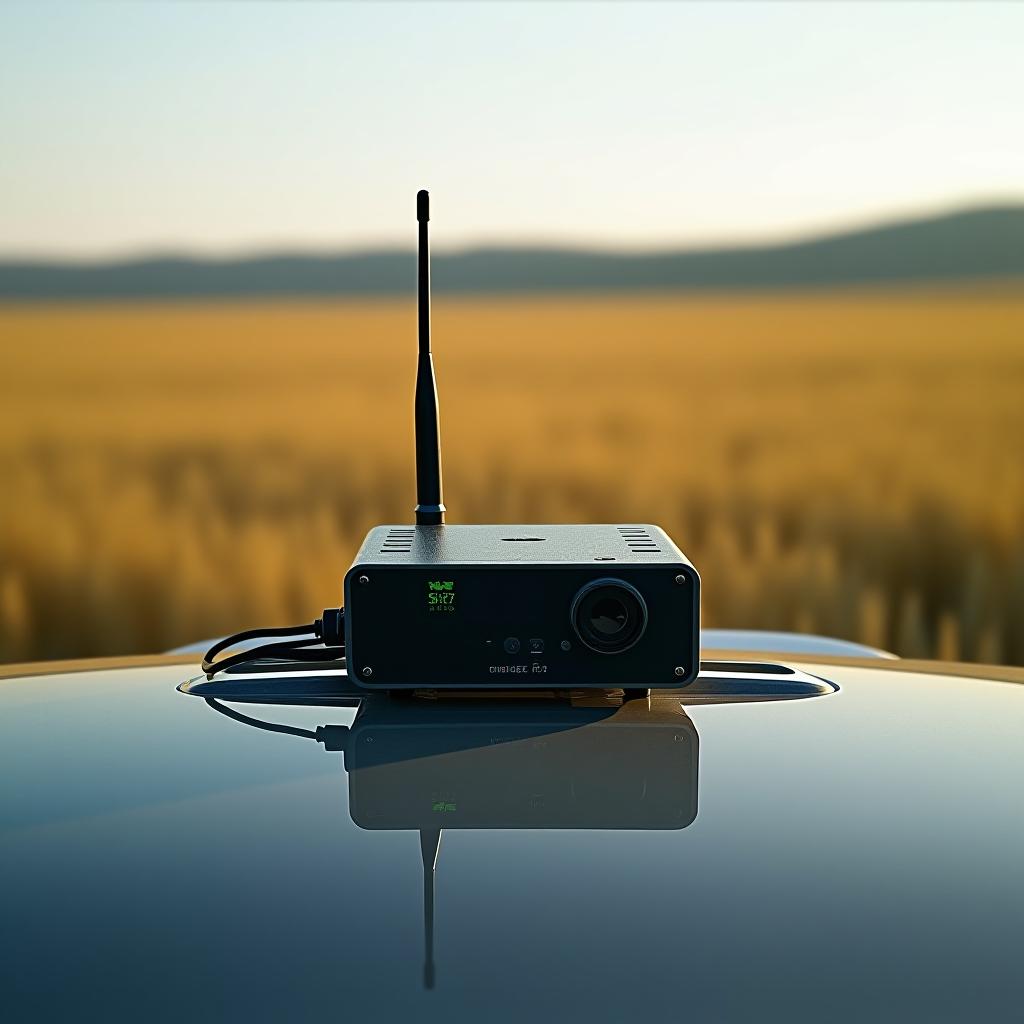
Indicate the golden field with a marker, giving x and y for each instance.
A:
(848, 463)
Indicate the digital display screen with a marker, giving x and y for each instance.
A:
(441, 595)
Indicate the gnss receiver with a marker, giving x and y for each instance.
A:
(433, 606)
(555, 608)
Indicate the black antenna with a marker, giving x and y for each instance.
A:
(429, 508)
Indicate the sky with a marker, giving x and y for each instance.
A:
(226, 128)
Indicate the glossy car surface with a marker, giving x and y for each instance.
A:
(852, 856)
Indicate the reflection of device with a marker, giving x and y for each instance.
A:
(484, 766)
(535, 607)
(505, 761)
(427, 766)
(473, 766)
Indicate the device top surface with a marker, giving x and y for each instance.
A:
(636, 543)
(853, 857)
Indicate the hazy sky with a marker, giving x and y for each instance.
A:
(221, 128)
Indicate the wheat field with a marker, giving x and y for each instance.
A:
(845, 463)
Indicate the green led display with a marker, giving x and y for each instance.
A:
(441, 595)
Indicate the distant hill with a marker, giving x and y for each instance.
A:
(971, 244)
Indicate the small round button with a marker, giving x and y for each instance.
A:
(565, 645)
(512, 645)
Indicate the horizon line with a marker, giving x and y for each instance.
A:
(292, 250)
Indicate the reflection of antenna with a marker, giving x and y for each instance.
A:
(429, 508)
(430, 842)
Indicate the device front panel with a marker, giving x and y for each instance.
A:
(522, 626)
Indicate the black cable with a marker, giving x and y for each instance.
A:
(327, 630)
(251, 634)
(295, 650)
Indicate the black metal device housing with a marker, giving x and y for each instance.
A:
(521, 607)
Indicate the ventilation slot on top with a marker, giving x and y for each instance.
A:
(398, 541)
(638, 539)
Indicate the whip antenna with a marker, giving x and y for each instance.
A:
(429, 507)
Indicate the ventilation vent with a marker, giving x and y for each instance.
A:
(638, 539)
(398, 540)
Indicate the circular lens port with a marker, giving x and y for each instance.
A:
(609, 615)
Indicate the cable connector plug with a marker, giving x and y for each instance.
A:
(330, 627)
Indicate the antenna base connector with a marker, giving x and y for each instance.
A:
(430, 515)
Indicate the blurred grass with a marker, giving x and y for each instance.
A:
(845, 463)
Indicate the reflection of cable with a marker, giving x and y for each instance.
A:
(328, 630)
(258, 723)
(333, 737)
